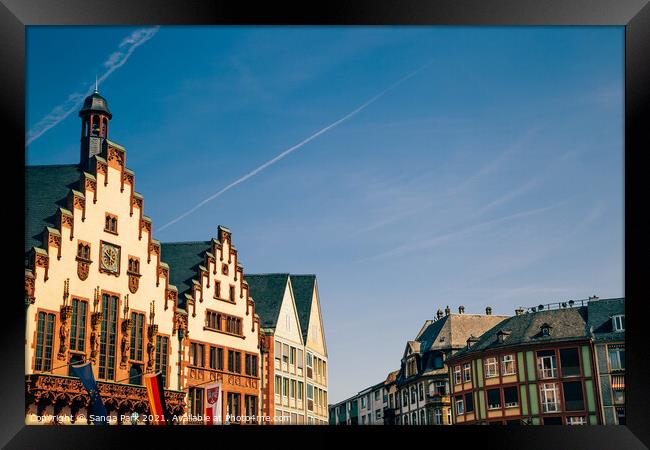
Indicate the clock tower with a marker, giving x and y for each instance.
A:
(94, 127)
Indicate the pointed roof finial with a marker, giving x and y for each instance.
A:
(96, 91)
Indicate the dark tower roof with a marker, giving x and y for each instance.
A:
(95, 103)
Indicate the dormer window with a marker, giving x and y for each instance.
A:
(502, 335)
(411, 367)
(545, 330)
(618, 322)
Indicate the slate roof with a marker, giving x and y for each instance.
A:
(46, 189)
(183, 259)
(566, 324)
(303, 290)
(600, 314)
(268, 291)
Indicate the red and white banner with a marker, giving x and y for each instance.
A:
(213, 403)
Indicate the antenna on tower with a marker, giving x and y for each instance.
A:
(96, 91)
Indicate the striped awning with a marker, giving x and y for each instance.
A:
(618, 382)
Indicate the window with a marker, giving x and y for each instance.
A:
(618, 322)
(494, 398)
(231, 294)
(411, 367)
(618, 389)
(44, 341)
(301, 387)
(196, 354)
(301, 362)
(234, 406)
(292, 356)
(135, 374)
(552, 421)
(234, 361)
(196, 401)
(449, 416)
(110, 223)
(441, 387)
(310, 365)
(78, 325)
(620, 415)
(549, 397)
(377, 414)
(413, 394)
(137, 338)
(570, 362)
(377, 395)
(250, 407)
(546, 364)
(217, 289)
(414, 418)
(469, 403)
(573, 399)
(510, 396)
(460, 407)
(437, 361)
(508, 364)
(278, 385)
(134, 265)
(83, 251)
(162, 349)
(285, 387)
(616, 357)
(437, 416)
(421, 391)
(457, 377)
(213, 320)
(108, 337)
(292, 389)
(491, 367)
(250, 365)
(580, 420)
(405, 397)
(467, 372)
(422, 417)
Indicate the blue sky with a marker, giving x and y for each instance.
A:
(493, 176)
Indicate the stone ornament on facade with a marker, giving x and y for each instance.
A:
(95, 321)
(64, 328)
(152, 331)
(127, 327)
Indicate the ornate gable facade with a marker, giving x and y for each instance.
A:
(95, 287)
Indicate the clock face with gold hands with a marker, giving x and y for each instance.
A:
(110, 258)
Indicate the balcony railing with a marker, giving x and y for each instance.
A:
(115, 396)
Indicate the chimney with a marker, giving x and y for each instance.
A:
(461, 309)
(439, 314)
(488, 311)
(519, 311)
(447, 311)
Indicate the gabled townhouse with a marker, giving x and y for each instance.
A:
(534, 368)
(606, 322)
(222, 329)
(283, 363)
(96, 287)
(422, 384)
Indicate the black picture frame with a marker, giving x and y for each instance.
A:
(634, 15)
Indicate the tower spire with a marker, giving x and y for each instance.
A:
(96, 90)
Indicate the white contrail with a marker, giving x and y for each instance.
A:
(292, 149)
(116, 60)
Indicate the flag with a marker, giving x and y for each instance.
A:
(213, 403)
(97, 414)
(156, 393)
